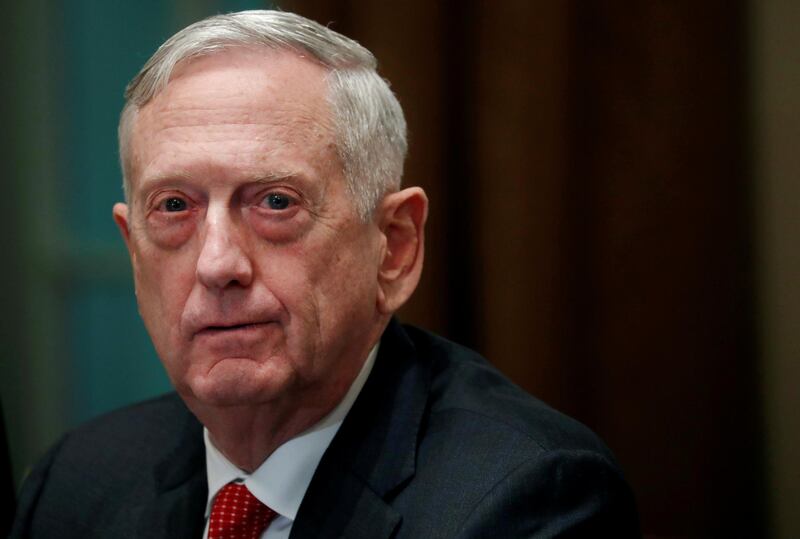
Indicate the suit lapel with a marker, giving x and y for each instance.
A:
(374, 452)
(346, 508)
(178, 507)
(368, 462)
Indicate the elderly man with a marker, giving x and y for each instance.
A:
(271, 243)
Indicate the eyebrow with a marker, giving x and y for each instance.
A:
(275, 177)
(179, 178)
(185, 177)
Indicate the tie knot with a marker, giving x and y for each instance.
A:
(237, 514)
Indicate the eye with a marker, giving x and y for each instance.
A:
(174, 204)
(277, 201)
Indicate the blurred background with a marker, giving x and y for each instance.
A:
(615, 202)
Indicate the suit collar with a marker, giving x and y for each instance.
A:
(374, 452)
(369, 460)
(180, 487)
(385, 421)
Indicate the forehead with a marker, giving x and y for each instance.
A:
(253, 96)
(257, 77)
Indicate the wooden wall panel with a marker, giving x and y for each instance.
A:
(660, 165)
(588, 168)
(521, 111)
(406, 38)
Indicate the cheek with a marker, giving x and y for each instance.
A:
(316, 282)
(346, 282)
(163, 281)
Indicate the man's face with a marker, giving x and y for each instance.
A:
(254, 276)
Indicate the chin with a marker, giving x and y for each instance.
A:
(224, 395)
(236, 383)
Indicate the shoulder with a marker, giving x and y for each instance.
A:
(99, 467)
(467, 388)
(513, 465)
(142, 433)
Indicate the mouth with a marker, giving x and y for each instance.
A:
(230, 328)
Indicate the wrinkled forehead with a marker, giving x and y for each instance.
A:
(239, 88)
(266, 82)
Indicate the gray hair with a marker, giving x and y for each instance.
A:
(370, 129)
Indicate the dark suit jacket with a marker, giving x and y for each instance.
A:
(438, 444)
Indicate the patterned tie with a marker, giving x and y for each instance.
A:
(237, 514)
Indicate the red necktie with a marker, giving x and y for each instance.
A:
(237, 514)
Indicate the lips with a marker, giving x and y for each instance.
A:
(229, 328)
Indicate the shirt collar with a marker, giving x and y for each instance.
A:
(282, 480)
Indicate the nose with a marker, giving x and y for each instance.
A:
(223, 260)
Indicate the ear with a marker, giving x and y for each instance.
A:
(401, 220)
(120, 212)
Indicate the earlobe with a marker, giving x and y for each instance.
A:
(402, 222)
(120, 212)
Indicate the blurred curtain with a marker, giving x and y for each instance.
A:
(73, 344)
(588, 169)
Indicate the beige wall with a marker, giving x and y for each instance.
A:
(776, 121)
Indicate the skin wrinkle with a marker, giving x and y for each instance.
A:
(218, 222)
(324, 123)
(308, 281)
(287, 121)
(158, 184)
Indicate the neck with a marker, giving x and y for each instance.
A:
(248, 434)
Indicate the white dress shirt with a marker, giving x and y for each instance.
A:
(282, 480)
